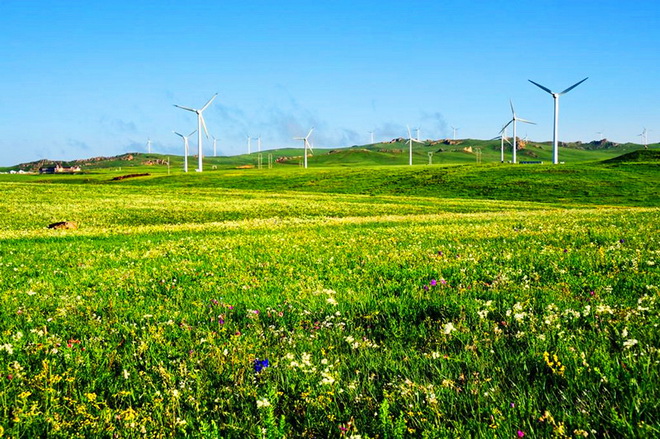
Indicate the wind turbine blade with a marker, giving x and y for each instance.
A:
(540, 86)
(573, 86)
(191, 133)
(185, 108)
(506, 139)
(201, 119)
(505, 126)
(512, 110)
(178, 134)
(310, 133)
(526, 121)
(409, 135)
(209, 102)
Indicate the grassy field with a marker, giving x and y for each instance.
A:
(381, 302)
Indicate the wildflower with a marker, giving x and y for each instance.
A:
(332, 301)
(263, 402)
(433, 282)
(448, 328)
(443, 282)
(521, 433)
(630, 343)
(259, 365)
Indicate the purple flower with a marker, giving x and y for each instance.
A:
(426, 287)
(434, 282)
(622, 240)
(521, 433)
(259, 365)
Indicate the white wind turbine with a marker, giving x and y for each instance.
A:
(372, 136)
(185, 148)
(410, 142)
(513, 120)
(555, 132)
(259, 143)
(455, 129)
(306, 144)
(200, 124)
(503, 139)
(418, 128)
(645, 139)
(215, 144)
(149, 146)
(249, 144)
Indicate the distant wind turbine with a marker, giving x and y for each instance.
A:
(249, 146)
(149, 146)
(410, 142)
(555, 132)
(455, 129)
(306, 144)
(259, 143)
(503, 139)
(185, 148)
(418, 128)
(644, 136)
(372, 136)
(200, 124)
(215, 149)
(513, 121)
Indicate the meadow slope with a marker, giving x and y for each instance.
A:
(380, 302)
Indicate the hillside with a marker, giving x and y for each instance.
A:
(394, 152)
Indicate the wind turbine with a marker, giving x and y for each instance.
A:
(644, 137)
(149, 146)
(513, 120)
(410, 142)
(555, 132)
(372, 136)
(249, 146)
(200, 124)
(503, 139)
(306, 144)
(185, 148)
(418, 128)
(215, 143)
(259, 143)
(455, 129)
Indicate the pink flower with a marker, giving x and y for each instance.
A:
(521, 433)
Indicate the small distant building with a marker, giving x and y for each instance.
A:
(59, 169)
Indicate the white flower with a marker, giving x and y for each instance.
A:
(263, 402)
(630, 343)
(332, 301)
(448, 328)
(126, 374)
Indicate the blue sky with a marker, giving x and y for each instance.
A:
(89, 78)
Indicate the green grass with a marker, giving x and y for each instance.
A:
(388, 301)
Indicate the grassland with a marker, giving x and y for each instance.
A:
(439, 301)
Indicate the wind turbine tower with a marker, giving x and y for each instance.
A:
(306, 144)
(372, 136)
(645, 139)
(410, 142)
(249, 145)
(215, 144)
(149, 146)
(259, 143)
(555, 132)
(454, 129)
(200, 124)
(418, 128)
(185, 148)
(513, 120)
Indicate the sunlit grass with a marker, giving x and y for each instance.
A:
(175, 312)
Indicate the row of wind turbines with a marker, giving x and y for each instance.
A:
(308, 149)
